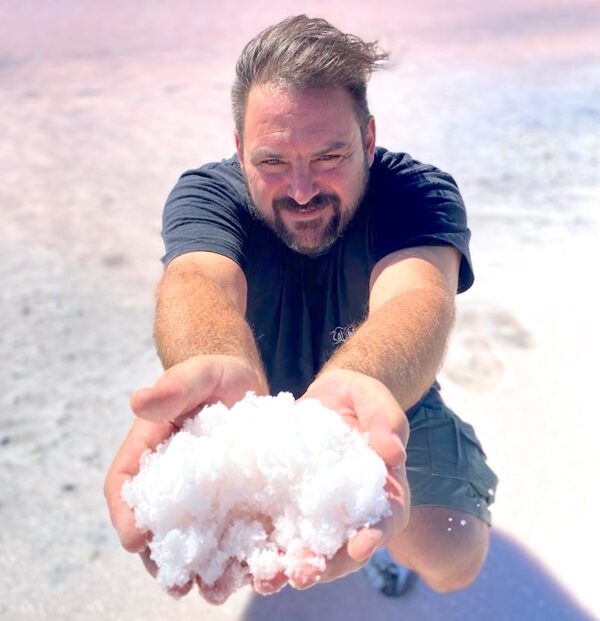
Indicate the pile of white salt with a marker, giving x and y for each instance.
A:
(248, 492)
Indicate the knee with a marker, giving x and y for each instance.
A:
(447, 559)
(452, 579)
(459, 569)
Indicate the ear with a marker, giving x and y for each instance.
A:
(370, 140)
(239, 147)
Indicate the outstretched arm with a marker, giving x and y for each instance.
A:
(210, 355)
(384, 367)
(200, 306)
(411, 312)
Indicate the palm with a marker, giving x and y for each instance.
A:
(183, 390)
(367, 405)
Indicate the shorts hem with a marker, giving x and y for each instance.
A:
(452, 493)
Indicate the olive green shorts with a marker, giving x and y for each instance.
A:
(445, 462)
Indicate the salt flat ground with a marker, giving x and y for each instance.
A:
(104, 105)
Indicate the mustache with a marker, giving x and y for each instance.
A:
(316, 202)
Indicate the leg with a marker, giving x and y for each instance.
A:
(445, 546)
(452, 487)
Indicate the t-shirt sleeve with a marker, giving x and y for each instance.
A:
(419, 205)
(205, 212)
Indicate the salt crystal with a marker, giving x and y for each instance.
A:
(463, 522)
(270, 486)
(449, 519)
(449, 529)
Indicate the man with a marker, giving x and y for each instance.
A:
(316, 263)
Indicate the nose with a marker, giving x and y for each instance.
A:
(302, 187)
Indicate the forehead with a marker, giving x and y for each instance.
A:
(280, 117)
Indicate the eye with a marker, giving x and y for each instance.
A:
(272, 165)
(327, 161)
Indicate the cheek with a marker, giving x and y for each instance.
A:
(258, 179)
(259, 188)
(268, 187)
(345, 184)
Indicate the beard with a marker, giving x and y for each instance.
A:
(316, 235)
(323, 234)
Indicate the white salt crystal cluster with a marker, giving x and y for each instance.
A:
(254, 490)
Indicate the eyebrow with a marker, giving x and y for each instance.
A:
(263, 153)
(266, 153)
(333, 146)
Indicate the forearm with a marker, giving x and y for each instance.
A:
(194, 316)
(402, 343)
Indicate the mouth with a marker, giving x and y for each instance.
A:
(305, 210)
(316, 206)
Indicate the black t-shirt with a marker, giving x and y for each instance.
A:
(301, 308)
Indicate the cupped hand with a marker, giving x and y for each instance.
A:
(367, 405)
(180, 392)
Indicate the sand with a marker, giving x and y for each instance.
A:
(104, 105)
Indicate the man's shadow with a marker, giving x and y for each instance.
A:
(512, 585)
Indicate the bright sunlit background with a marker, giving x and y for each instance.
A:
(104, 104)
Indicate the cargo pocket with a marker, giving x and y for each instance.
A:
(418, 449)
(474, 467)
(446, 464)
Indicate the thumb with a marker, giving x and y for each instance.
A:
(186, 387)
(385, 442)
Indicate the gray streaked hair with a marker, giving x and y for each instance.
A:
(303, 53)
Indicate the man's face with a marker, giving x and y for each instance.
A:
(305, 162)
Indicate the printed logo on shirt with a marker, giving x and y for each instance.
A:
(341, 333)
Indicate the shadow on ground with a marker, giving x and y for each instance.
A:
(512, 585)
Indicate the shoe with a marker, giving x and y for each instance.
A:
(387, 576)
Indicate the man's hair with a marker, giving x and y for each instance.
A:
(303, 53)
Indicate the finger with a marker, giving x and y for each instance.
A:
(123, 519)
(179, 591)
(141, 437)
(385, 442)
(359, 549)
(222, 588)
(342, 564)
(368, 540)
(307, 572)
(398, 492)
(152, 569)
(149, 564)
(270, 586)
(356, 553)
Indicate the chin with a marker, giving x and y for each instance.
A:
(311, 249)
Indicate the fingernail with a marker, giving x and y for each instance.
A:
(376, 535)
